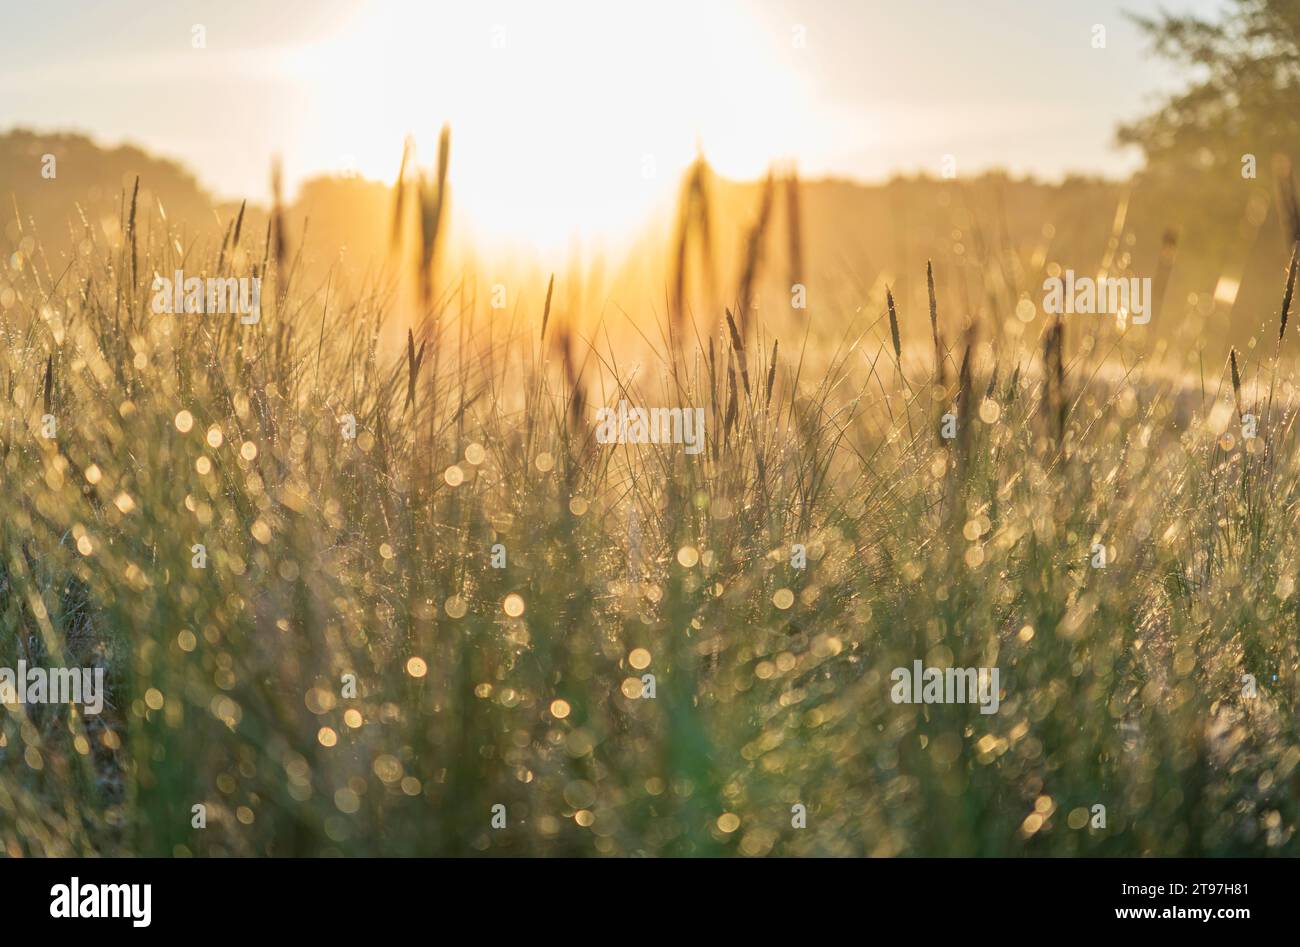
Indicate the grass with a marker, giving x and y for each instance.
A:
(329, 556)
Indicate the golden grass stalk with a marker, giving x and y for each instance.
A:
(692, 215)
(231, 239)
(754, 253)
(964, 378)
(130, 226)
(413, 362)
(893, 328)
(1287, 295)
(738, 344)
(934, 323)
(279, 245)
(399, 194)
(703, 223)
(1289, 292)
(572, 375)
(546, 309)
(732, 402)
(771, 374)
(794, 227)
(239, 224)
(1054, 377)
(965, 401)
(684, 209)
(433, 194)
(48, 400)
(1236, 380)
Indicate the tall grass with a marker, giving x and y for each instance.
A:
(522, 686)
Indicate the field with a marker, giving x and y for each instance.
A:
(426, 590)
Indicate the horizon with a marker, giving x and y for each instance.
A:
(776, 82)
(831, 177)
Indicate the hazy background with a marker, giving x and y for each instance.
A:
(582, 91)
(572, 127)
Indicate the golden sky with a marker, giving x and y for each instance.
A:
(579, 115)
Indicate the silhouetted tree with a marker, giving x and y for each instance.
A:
(1244, 97)
(1220, 151)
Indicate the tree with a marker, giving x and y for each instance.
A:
(1245, 94)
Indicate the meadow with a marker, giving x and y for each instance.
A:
(427, 591)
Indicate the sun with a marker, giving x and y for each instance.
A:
(569, 121)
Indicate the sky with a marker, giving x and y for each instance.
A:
(587, 110)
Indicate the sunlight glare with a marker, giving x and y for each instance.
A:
(569, 124)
